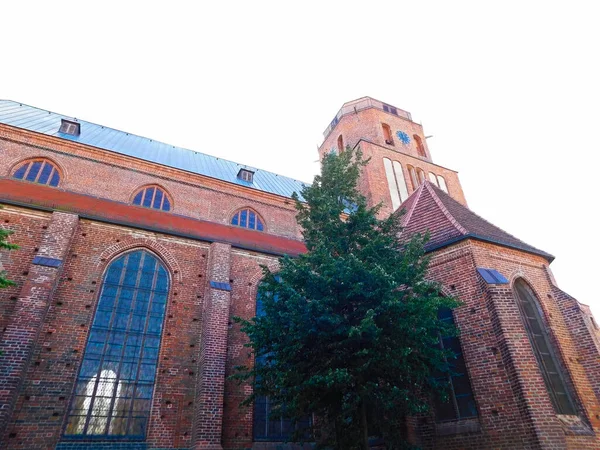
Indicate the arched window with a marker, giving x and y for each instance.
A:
(543, 348)
(387, 134)
(396, 182)
(152, 197)
(413, 177)
(113, 394)
(264, 427)
(461, 403)
(420, 146)
(442, 183)
(247, 218)
(39, 171)
(421, 176)
(340, 144)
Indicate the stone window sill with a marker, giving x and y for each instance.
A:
(458, 427)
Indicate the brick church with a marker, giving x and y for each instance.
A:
(134, 256)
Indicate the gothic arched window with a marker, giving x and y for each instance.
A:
(420, 146)
(340, 143)
(152, 197)
(113, 394)
(461, 403)
(247, 218)
(39, 171)
(543, 348)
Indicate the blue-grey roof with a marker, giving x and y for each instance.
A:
(46, 122)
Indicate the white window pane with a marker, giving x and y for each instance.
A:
(391, 179)
(433, 178)
(442, 184)
(400, 181)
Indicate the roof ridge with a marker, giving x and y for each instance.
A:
(444, 210)
(410, 211)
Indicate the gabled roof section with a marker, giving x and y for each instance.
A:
(431, 209)
(49, 123)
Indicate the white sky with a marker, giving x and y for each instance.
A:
(509, 91)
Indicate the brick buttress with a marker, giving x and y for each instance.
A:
(30, 310)
(208, 416)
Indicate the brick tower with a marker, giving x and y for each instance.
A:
(397, 146)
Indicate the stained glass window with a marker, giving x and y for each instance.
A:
(152, 197)
(247, 218)
(113, 393)
(544, 350)
(38, 171)
(461, 403)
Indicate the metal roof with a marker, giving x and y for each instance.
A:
(46, 122)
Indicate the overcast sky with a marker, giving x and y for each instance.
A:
(510, 92)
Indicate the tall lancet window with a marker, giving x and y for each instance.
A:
(114, 388)
(543, 348)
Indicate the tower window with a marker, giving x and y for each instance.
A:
(246, 175)
(543, 348)
(390, 109)
(39, 171)
(413, 177)
(113, 394)
(70, 127)
(421, 176)
(387, 134)
(340, 143)
(420, 146)
(152, 197)
(461, 403)
(247, 218)
(396, 182)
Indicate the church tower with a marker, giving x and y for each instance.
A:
(397, 146)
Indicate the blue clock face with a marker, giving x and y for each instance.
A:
(403, 137)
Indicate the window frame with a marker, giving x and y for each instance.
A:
(165, 196)
(159, 262)
(452, 396)
(56, 171)
(549, 340)
(258, 219)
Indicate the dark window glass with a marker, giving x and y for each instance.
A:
(41, 172)
(152, 197)
(247, 218)
(46, 171)
(114, 387)
(461, 403)
(33, 172)
(20, 172)
(265, 427)
(546, 355)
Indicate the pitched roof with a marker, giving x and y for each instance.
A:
(48, 123)
(431, 209)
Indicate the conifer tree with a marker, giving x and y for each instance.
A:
(349, 331)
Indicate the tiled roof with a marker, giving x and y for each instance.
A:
(431, 209)
(48, 123)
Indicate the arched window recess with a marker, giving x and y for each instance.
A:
(152, 197)
(40, 170)
(247, 218)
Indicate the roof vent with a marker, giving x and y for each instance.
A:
(69, 127)
(246, 175)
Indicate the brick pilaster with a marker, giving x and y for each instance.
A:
(208, 415)
(30, 310)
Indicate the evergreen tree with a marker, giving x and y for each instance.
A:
(350, 331)
(4, 282)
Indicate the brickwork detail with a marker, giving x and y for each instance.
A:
(30, 312)
(208, 423)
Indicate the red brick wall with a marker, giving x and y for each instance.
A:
(117, 177)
